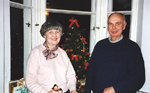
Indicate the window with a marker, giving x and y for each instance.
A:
(20, 37)
(82, 5)
(124, 7)
(132, 11)
(17, 43)
(17, 1)
(83, 19)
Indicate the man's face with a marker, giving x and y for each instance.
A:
(116, 25)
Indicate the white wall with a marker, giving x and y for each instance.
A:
(1, 48)
(4, 46)
(145, 46)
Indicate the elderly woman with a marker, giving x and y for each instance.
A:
(49, 65)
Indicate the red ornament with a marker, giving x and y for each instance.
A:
(83, 39)
(73, 21)
(67, 39)
(86, 63)
(82, 90)
(85, 68)
(74, 56)
(71, 50)
(88, 53)
(79, 66)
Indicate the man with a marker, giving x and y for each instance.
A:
(116, 64)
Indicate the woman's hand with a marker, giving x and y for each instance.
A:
(51, 91)
(74, 91)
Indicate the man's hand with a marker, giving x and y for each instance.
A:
(74, 91)
(109, 90)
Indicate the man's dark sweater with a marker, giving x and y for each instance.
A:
(118, 64)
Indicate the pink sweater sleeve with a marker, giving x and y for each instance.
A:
(71, 76)
(31, 73)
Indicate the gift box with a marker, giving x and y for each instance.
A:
(20, 89)
(18, 86)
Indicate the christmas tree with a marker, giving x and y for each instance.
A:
(76, 47)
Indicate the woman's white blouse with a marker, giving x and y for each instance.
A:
(42, 74)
